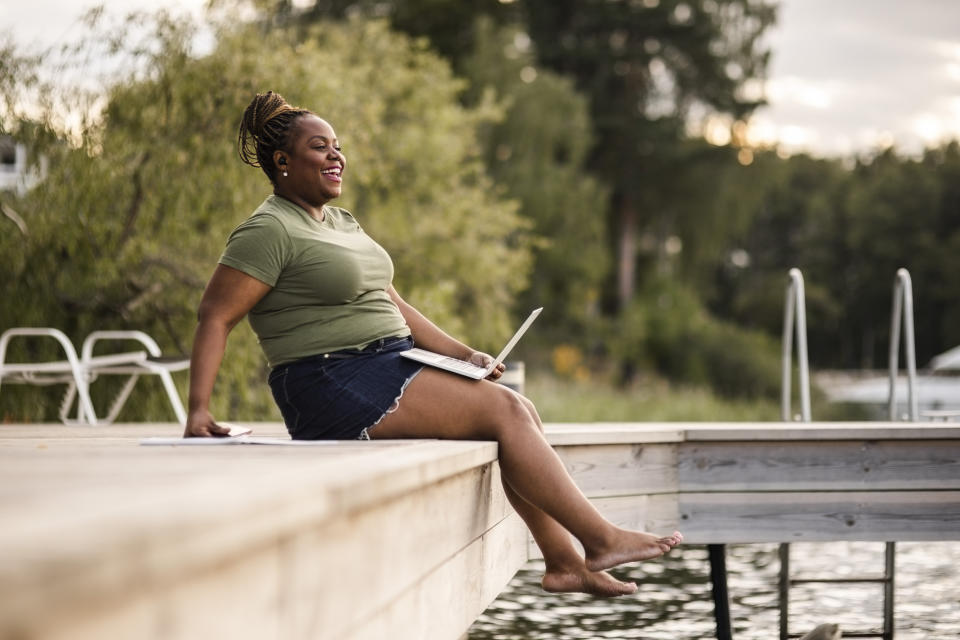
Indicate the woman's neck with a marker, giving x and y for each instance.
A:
(315, 210)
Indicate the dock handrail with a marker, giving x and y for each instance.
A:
(795, 308)
(902, 312)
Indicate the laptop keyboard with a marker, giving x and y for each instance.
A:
(451, 363)
(460, 365)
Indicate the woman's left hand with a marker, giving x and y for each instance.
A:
(483, 360)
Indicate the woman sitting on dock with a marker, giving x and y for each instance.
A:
(319, 296)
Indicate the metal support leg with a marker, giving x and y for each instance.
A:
(784, 591)
(721, 598)
(890, 557)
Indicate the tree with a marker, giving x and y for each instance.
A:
(537, 153)
(799, 220)
(645, 65)
(849, 229)
(138, 201)
(904, 214)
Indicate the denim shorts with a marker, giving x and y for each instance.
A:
(342, 394)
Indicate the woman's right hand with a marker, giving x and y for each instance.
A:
(200, 424)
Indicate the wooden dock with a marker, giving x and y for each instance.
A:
(772, 482)
(104, 538)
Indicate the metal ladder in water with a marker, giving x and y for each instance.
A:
(886, 580)
(795, 309)
(795, 320)
(902, 312)
(901, 315)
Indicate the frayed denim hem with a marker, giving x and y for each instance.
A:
(365, 433)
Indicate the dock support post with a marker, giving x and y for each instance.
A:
(721, 598)
(890, 563)
(784, 589)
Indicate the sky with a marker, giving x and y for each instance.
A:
(846, 76)
(854, 75)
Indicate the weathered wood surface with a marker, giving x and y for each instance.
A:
(652, 432)
(102, 538)
(626, 469)
(843, 465)
(881, 516)
(771, 482)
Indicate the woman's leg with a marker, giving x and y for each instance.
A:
(442, 405)
(565, 570)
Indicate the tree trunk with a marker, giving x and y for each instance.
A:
(627, 253)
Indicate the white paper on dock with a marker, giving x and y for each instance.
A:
(158, 440)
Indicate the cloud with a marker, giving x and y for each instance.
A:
(806, 92)
(852, 76)
(42, 23)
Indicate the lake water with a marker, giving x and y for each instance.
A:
(674, 600)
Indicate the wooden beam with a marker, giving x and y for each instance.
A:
(874, 465)
(604, 470)
(819, 516)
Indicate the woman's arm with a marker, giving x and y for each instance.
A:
(428, 335)
(229, 296)
(432, 338)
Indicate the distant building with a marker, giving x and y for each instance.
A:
(15, 175)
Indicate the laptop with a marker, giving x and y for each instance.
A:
(468, 369)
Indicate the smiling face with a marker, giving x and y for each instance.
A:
(313, 162)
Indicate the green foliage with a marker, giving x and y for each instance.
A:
(649, 400)
(899, 218)
(133, 212)
(655, 399)
(849, 230)
(537, 154)
(667, 329)
(447, 24)
(796, 221)
(645, 67)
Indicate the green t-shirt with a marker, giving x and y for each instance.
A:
(329, 281)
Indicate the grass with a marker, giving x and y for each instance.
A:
(561, 400)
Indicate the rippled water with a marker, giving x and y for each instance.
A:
(674, 600)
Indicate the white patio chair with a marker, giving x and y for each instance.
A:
(76, 373)
(153, 364)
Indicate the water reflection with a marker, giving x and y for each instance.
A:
(674, 600)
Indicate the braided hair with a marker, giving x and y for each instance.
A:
(265, 129)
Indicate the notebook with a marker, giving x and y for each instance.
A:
(463, 367)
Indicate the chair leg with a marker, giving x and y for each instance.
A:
(85, 412)
(121, 398)
(67, 403)
(174, 397)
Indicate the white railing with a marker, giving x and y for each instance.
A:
(795, 308)
(902, 312)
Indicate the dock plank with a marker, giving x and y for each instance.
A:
(820, 516)
(819, 466)
(622, 469)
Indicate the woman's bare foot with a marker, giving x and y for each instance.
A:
(631, 546)
(597, 583)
